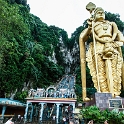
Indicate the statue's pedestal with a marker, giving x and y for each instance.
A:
(105, 100)
(101, 100)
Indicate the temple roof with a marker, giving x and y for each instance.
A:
(10, 102)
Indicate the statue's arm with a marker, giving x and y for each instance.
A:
(117, 35)
(115, 31)
(85, 34)
(99, 39)
(120, 36)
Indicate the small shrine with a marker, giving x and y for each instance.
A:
(57, 100)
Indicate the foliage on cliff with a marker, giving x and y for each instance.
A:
(26, 44)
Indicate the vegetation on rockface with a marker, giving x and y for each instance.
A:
(26, 45)
(23, 2)
(28, 48)
(13, 33)
(100, 116)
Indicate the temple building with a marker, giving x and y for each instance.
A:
(56, 101)
(53, 103)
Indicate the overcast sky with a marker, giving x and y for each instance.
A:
(70, 14)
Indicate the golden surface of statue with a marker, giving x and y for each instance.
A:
(104, 55)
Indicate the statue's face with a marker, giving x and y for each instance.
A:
(100, 15)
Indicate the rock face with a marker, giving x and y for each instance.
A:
(70, 57)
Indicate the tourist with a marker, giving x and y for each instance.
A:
(54, 117)
(64, 120)
(19, 118)
(76, 121)
(90, 122)
(71, 122)
(66, 111)
(9, 121)
(106, 122)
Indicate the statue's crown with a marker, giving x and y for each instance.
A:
(98, 9)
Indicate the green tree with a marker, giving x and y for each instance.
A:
(26, 45)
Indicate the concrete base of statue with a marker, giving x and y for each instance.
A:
(101, 100)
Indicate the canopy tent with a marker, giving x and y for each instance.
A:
(10, 108)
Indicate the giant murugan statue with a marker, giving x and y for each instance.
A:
(104, 55)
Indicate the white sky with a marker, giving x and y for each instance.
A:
(70, 14)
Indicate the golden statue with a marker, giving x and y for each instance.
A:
(104, 55)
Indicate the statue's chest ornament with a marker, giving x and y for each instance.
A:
(105, 26)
